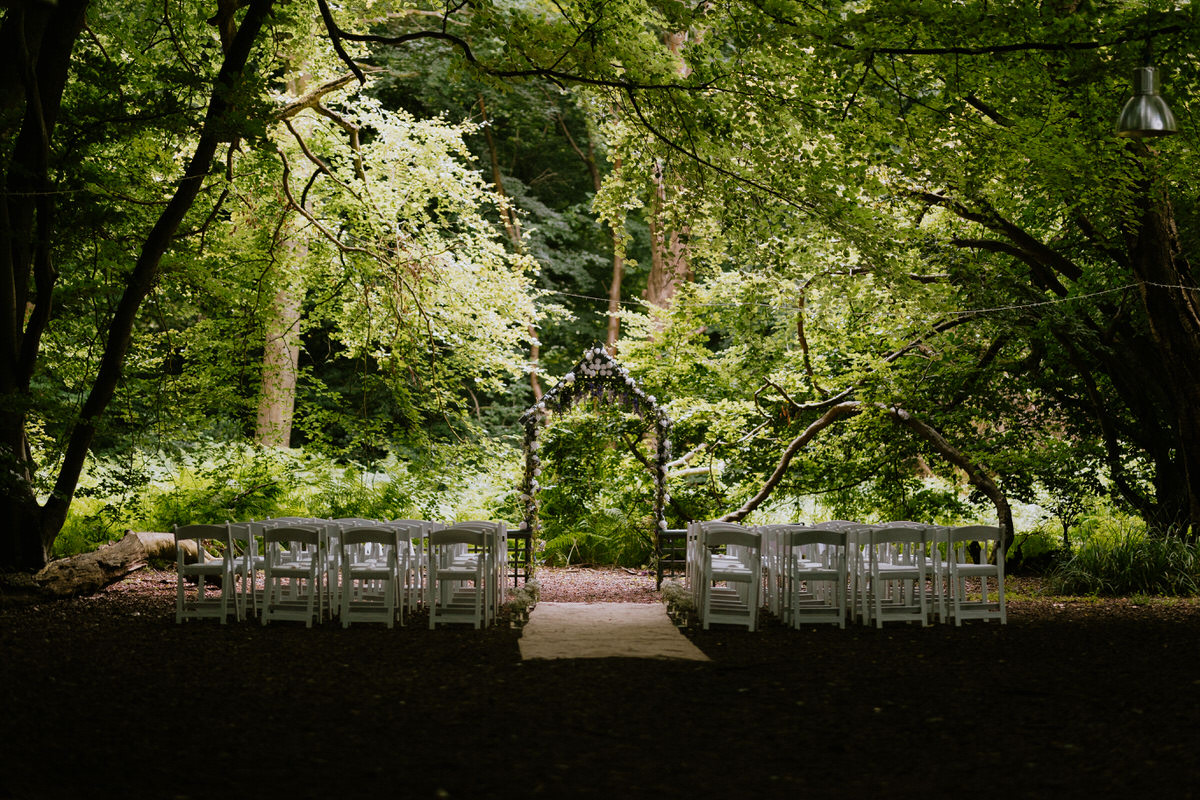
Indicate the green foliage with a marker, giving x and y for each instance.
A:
(1122, 559)
(222, 482)
(539, 144)
(1033, 552)
(600, 536)
(868, 192)
(596, 499)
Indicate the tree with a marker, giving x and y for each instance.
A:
(545, 156)
(966, 153)
(415, 287)
(1037, 205)
(40, 40)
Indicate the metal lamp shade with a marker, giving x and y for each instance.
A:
(1146, 113)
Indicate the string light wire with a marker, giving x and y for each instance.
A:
(972, 312)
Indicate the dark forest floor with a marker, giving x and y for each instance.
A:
(107, 697)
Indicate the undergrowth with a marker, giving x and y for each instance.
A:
(1129, 561)
(220, 483)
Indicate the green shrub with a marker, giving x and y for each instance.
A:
(233, 484)
(215, 482)
(1034, 553)
(605, 536)
(87, 527)
(1127, 562)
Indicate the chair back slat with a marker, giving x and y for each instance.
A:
(368, 535)
(300, 535)
(716, 534)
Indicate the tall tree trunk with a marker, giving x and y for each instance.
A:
(281, 345)
(614, 297)
(36, 40)
(512, 226)
(669, 266)
(281, 352)
(1172, 303)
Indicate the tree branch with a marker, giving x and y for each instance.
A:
(557, 76)
(828, 418)
(314, 98)
(1024, 47)
(1043, 277)
(937, 328)
(803, 340)
(978, 475)
(1029, 246)
(989, 112)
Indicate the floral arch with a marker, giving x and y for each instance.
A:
(601, 377)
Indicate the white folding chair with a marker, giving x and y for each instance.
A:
(417, 582)
(334, 553)
(371, 576)
(459, 572)
(295, 573)
(774, 560)
(935, 565)
(989, 603)
(247, 565)
(857, 563)
(218, 565)
(494, 552)
(730, 574)
(814, 587)
(897, 574)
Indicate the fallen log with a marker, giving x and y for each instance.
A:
(88, 573)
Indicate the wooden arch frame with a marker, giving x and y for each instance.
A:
(601, 377)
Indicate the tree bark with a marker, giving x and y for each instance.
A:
(281, 355)
(669, 266)
(1172, 304)
(281, 345)
(614, 299)
(88, 573)
(36, 40)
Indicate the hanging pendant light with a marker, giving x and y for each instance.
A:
(1146, 113)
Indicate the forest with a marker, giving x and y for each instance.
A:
(885, 259)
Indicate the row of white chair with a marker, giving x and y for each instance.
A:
(466, 569)
(724, 567)
(359, 569)
(839, 570)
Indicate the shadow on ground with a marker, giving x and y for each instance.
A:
(107, 697)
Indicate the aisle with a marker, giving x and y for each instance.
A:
(604, 630)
